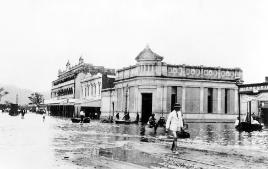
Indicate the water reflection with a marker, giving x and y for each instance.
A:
(132, 156)
(218, 133)
(209, 133)
(225, 134)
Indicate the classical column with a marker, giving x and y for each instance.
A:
(183, 100)
(215, 100)
(201, 99)
(135, 99)
(179, 95)
(168, 98)
(236, 101)
(164, 98)
(219, 101)
(232, 101)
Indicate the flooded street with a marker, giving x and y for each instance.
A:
(58, 143)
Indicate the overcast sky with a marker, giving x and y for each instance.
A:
(37, 37)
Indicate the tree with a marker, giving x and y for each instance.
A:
(2, 92)
(36, 98)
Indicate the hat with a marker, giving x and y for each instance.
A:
(177, 105)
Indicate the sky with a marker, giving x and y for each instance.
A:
(38, 37)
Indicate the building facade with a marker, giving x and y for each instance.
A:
(91, 87)
(152, 86)
(70, 91)
(254, 99)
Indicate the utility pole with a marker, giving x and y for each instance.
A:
(238, 82)
(17, 99)
(126, 116)
(126, 100)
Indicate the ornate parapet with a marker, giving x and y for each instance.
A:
(202, 72)
(149, 64)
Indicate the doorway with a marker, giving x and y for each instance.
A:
(146, 110)
(210, 100)
(264, 116)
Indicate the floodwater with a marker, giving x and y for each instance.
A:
(58, 143)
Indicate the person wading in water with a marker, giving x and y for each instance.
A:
(175, 124)
(82, 115)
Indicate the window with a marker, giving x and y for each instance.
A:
(210, 100)
(226, 101)
(173, 97)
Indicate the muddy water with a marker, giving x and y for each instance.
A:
(58, 143)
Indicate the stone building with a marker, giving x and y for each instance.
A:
(153, 86)
(67, 90)
(254, 99)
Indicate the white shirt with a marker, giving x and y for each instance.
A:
(174, 121)
(82, 113)
(236, 122)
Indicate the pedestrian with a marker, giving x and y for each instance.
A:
(126, 117)
(152, 122)
(137, 117)
(82, 115)
(237, 121)
(117, 116)
(44, 116)
(22, 113)
(175, 124)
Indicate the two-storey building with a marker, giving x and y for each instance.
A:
(91, 87)
(65, 91)
(70, 91)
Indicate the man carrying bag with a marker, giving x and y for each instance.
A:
(175, 124)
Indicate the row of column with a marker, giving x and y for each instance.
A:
(161, 99)
(218, 100)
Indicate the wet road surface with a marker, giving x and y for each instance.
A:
(58, 143)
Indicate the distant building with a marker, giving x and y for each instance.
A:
(254, 99)
(67, 95)
(92, 85)
(153, 86)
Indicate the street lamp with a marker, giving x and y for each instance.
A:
(238, 83)
(126, 113)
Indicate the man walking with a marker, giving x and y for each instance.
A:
(82, 115)
(175, 124)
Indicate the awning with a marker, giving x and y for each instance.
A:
(75, 101)
(53, 101)
(91, 103)
(63, 101)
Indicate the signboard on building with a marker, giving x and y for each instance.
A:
(254, 88)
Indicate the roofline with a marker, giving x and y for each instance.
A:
(253, 84)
